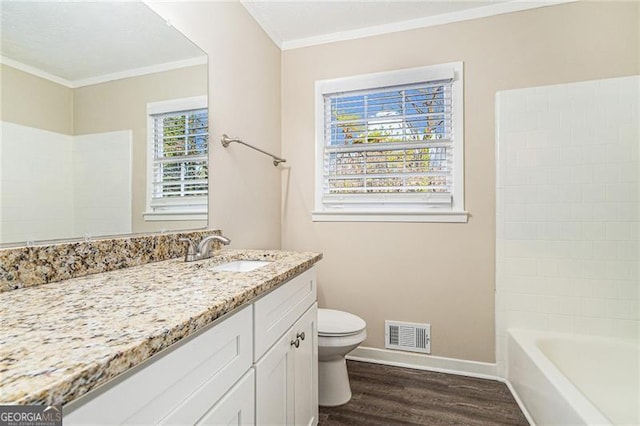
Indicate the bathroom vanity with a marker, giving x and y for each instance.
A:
(169, 342)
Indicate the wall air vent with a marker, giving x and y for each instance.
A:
(406, 336)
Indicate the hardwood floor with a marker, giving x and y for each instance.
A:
(384, 395)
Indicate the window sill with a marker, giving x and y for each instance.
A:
(442, 217)
(174, 216)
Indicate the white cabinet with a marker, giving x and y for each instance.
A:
(287, 376)
(286, 353)
(179, 385)
(237, 407)
(276, 312)
(305, 362)
(257, 366)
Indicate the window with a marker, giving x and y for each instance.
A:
(177, 162)
(389, 146)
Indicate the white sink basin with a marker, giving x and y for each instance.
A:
(240, 266)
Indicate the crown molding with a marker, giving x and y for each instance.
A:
(135, 72)
(430, 21)
(35, 71)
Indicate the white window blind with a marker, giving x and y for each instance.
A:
(389, 141)
(391, 144)
(180, 159)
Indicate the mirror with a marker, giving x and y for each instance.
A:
(80, 84)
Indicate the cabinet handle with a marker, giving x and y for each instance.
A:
(300, 336)
(295, 343)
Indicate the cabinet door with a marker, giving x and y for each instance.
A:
(306, 369)
(236, 407)
(287, 377)
(274, 385)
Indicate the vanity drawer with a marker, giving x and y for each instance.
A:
(210, 363)
(237, 407)
(276, 312)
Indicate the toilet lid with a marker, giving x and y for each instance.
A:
(332, 322)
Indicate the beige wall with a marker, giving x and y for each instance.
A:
(244, 101)
(122, 105)
(35, 102)
(427, 272)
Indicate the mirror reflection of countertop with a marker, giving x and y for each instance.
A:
(61, 340)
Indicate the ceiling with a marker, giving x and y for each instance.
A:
(84, 42)
(76, 41)
(298, 23)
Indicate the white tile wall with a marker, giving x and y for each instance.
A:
(102, 183)
(568, 203)
(37, 198)
(52, 182)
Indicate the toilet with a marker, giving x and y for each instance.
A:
(338, 334)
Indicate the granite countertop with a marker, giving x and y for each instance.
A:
(60, 340)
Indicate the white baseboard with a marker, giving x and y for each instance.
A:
(482, 370)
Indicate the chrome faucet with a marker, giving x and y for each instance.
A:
(203, 250)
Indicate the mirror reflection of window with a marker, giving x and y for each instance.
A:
(178, 142)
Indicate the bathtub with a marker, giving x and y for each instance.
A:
(565, 379)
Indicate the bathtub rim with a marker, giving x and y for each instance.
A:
(527, 340)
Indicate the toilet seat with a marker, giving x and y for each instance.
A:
(339, 323)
